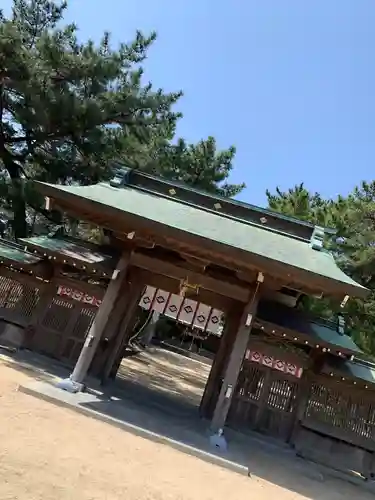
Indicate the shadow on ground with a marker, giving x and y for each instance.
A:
(169, 418)
(35, 365)
(164, 373)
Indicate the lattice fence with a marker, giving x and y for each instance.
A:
(58, 315)
(63, 327)
(76, 335)
(82, 326)
(349, 413)
(264, 400)
(17, 300)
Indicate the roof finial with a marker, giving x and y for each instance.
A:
(121, 177)
(317, 238)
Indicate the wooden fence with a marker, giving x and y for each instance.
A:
(18, 300)
(340, 411)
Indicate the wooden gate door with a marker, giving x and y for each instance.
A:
(264, 401)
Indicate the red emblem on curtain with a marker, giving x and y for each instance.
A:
(274, 363)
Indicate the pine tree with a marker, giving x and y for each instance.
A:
(199, 165)
(67, 108)
(353, 217)
(300, 203)
(355, 221)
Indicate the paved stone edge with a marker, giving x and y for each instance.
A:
(138, 431)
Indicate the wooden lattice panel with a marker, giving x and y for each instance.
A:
(282, 395)
(63, 327)
(58, 315)
(264, 400)
(250, 382)
(348, 413)
(82, 326)
(279, 408)
(17, 300)
(245, 403)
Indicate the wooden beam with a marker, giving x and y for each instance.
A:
(235, 362)
(23, 277)
(195, 263)
(132, 237)
(173, 271)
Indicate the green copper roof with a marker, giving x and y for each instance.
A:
(67, 248)
(328, 335)
(319, 330)
(190, 194)
(355, 369)
(210, 225)
(15, 253)
(361, 371)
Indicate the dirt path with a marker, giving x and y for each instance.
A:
(48, 452)
(168, 373)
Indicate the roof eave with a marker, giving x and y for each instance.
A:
(327, 285)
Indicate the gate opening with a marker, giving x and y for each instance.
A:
(170, 352)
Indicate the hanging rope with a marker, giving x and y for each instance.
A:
(145, 324)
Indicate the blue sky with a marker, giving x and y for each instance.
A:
(290, 83)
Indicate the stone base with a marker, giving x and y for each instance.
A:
(219, 442)
(67, 384)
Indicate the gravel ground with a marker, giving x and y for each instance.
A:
(48, 452)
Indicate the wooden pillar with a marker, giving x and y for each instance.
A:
(213, 384)
(75, 381)
(112, 328)
(134, 292)
(235, 362)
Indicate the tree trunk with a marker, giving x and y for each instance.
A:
(17, 196)
(19, 208)
(17, 193)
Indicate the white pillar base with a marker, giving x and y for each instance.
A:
(67, 384)
(218, 441)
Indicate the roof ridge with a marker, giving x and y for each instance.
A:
(128, 180)
(210, 210)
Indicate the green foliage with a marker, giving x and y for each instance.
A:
(354, 248)
(299, 202)
(199, 165)
(68, 109)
